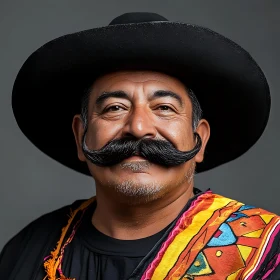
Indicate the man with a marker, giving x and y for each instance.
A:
(140, 134)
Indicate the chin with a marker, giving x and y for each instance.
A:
(138, 188)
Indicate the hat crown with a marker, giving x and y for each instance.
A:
(137, 17)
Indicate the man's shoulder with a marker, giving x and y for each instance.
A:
(243, 222)
(35, 239)
(50, 220)
(245, 238)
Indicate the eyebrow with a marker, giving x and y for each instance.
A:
(167, 93)
(121, 94)
(105, 95)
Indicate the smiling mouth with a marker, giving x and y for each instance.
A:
(136, 158)
(136, 164)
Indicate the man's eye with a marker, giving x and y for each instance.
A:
(113, 108)
(165, 108)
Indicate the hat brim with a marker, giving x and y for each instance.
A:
(230, 86)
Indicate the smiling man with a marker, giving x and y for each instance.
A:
(134, 92)
(149, 113)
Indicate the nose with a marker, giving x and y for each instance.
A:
(139, 124)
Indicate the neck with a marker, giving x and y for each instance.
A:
(117, 217)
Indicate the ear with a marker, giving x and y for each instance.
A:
(78, 130)
(203, 129)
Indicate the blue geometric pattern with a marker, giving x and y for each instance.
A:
(226, 237)
(246, 207)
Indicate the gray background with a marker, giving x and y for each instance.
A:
(33, 184)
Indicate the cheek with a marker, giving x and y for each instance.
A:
(99, 134)
(178, 132)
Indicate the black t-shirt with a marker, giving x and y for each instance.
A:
(93, 255)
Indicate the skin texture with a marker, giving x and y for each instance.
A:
(136, 198)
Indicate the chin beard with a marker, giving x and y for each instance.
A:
(138, 193)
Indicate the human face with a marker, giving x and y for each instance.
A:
(139, 114)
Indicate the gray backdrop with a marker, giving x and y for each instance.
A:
(33, 184)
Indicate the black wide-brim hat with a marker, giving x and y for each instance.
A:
(230, 86)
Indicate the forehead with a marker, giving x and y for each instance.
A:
(128, 80)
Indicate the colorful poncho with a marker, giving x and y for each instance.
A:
(216, 238)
